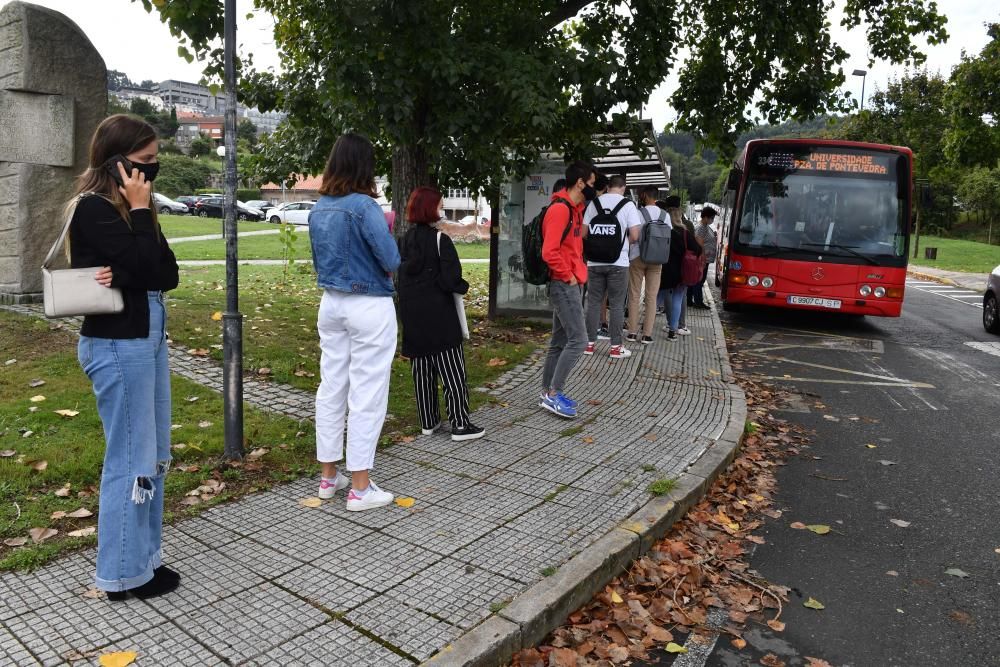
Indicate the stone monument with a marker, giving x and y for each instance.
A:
(53, 95)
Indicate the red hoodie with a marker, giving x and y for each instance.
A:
(565, 259)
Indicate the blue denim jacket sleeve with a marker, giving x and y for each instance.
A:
(376, 233)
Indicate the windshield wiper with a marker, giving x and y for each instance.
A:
(844, 247)
(774, 250)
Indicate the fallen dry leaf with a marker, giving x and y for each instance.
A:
(675, 648)
(496, 361)
(204, 424)
(776, 625)
(311, 502)
(16, 541)
(263, 371)
(55, 516)
(403, 501)
(118, 659)
(739, 643)
(39, 465)
(771, 660)
(961, 617)
(798, 525)
(198, 352)
(887, 463)
(562, 657)
(816, 662)
(871, 446)
(67, 413)
(39, 535)
(955, 572)
(900, 523)
(617, 599)
(83, 532)
(37, 399)
(819, 528)
(257, 453)
(7, 453)
(81, 513)
(63, 492)
(812, 603)
(217, 316)
(36, 383)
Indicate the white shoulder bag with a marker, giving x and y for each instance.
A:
(459, 301)
(71, 292)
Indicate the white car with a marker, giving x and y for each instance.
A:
(295, 213)
(167, 206)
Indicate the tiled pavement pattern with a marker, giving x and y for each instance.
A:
(268, 582)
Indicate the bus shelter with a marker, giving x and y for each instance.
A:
(521, 200)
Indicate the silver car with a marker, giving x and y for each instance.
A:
(991, 311)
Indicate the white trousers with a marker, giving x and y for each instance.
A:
(357, 339)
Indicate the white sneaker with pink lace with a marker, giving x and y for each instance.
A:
(327, 488)
(370, 498)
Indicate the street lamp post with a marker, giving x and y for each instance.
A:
(863, 74)
(232, 320)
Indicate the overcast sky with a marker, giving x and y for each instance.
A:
(139, 45)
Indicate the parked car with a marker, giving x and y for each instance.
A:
(260, 205)
(991, 309)
(167, 206)
(212, 207)
(294, 213)
(189, 201)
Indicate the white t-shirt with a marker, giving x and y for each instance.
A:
(628, 217)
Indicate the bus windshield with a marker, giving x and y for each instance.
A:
(836, 201)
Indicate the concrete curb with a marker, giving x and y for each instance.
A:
(545, 605)
(929, 276)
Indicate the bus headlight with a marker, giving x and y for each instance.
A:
(865, 290)
(880, 292)
(767, 283)
(753, 281)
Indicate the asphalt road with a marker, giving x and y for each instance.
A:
(930, 403)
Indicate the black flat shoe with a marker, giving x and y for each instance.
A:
(164, 580)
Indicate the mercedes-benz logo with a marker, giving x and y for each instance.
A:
(818, 273)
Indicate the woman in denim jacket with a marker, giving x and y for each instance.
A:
(355, 256)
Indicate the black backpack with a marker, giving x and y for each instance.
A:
(604, 240)
(536, 271)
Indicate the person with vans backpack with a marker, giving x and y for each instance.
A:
(562, 252)
(610, 223)
(647, 257)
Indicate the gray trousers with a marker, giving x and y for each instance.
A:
(569, 335)
(613, 281)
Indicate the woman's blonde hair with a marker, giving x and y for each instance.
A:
(120, 134)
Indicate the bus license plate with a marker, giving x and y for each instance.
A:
(814, 301)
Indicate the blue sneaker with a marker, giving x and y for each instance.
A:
(556, 406)
(567, 400)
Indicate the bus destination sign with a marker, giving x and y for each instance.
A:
(848, 163)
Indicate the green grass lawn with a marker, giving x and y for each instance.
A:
(956, 255)
(279, 335)
(271, 247)
(175, 226)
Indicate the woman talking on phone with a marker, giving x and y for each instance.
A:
(124, 355)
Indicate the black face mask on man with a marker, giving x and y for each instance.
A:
(589, 193)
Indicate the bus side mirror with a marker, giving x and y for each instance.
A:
(733, 182)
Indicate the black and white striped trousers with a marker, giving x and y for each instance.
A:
(450, 366)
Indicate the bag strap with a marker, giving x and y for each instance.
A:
(646, 217)
(62, 237)
(619, 207)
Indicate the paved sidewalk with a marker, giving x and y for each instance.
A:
(219, 237)
(485, 550)
(973, 281)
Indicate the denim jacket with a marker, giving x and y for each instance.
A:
(353, 249)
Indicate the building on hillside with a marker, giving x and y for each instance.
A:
(190, 96)
(190, 126)
(266, 121)
(126, 95)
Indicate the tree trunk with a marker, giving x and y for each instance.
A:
(410, 169)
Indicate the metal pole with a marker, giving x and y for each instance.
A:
(232, 320)
(863, 92)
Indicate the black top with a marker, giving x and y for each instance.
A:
(426, 285)
(138, 255)
(671, 274)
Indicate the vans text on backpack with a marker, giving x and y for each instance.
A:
(654, 239)
(604, 241)
(536, 271)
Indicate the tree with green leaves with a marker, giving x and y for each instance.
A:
(470, 91)
(246, 131)
(181, 175)
(979, 191)
(201, 145)
(973, 100)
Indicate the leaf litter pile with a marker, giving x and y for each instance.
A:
(699, 566)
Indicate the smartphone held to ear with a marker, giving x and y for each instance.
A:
(112, 166)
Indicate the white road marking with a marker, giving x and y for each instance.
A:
(988, 348)
(948, 294)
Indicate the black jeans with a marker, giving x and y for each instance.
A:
(696, 295)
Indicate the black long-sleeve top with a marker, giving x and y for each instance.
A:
(138, 255)
(427, 283)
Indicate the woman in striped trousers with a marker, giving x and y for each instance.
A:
(429, 276)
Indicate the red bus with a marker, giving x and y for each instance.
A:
(817, 225)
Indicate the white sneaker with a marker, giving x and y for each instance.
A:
(432, 430)
(327, 490)
(374, 497)
(683, 331)
(619, 352)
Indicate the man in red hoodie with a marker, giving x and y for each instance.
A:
(562, 250)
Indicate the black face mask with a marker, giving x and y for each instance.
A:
(148, 170)
(589, 193)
